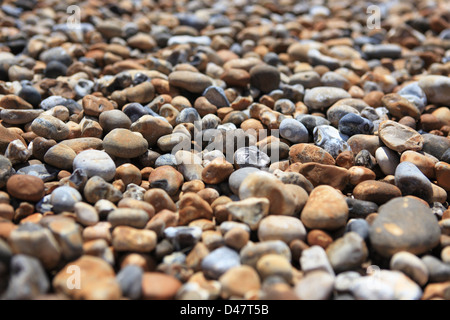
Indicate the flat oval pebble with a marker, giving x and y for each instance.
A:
(50, 127)
(25, 187)
(399, 137)
(324, 97)
(123, 143)
(95, 163)
(376, 191)
(281, 228)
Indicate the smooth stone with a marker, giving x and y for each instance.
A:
(414, 94)
(185, 39)
(423, 162)
(33, 240)
(53, 101)
(352, 124)
(250, 211)
(330, 139)
(26, 187)
(294, 131)
(68, 235)
(347, 253)
(376, 191)
(411, 181)
(399, 137)
(325, 209)
(97, 279)
(442, 175)
(251, 157)
(305, 153)
(126, 238)
(188, 115)
(379, 51)
(50, 127)
(265, 185)
(194, 82)
(85, 214)
(136, 218)
(365, 159)
(17, 152)
(324, 97)
(315, 258)
(60, 156)
(438, 271)
(217, 171)
(130, 281)
(82, 144)
(19, 116)
(124, 143)
(219, 261)
(151, 128)
(265, 78)
(282, 228)
(28, 279)
(56, 54)
(239, 280)
(316, 285)
(435, 145)
(310, 121)
(252, 252)
(166, 178)
(360, 208)
(404, 224)
(359, 226)
(159, 286)
(274, 265)
(361, 142)
(387, 159)
(112, 119)
(236, 178)
(294, 178)
(399, 106)
(308, 79)
(410, 265)
(436, 88)
(216, 96)
(134, 111)
(6, 170)
(31, 95)
(166, 160)
(95, 163)
(97, 188)
(337, 111)
(183, 237)
(64, 198)
(345, 280)
(321, 174)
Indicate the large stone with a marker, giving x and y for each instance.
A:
(399, 137)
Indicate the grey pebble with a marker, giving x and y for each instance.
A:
(183, 237)
(219, 261)
(64, 198)
(42, 171)
(294, 131)
(411, 181)
(331, 140)
(130, 281)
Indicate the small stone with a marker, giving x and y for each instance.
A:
(399, 137)
(95, 163)
(329, 139)
(265, 185)
(347, 253)
(251, 157)
(387, 159)
(129, 173)
(159, 199)
(376, 191)
(274, 265)
(60, 156)
(294, 131)
(249, 211)
(359, 226)
(97, 279)
(19, 116)
(404, 224)
(239, 280)
(82, 144)
(26, 187)
(436, 88)
(236, 238)
(264, 77)
(217, 171)
(442, 175)
(33, 240)
(55, 69)
(130, 281)
(94, 106)
(17, 152)
(6, 170)
(219, 261)
(352, 124)
(68, 235)
(411, 181)
(282, 228)
(320, 238)
(194, 82)
(379, 51)
(236, 178)
(125, 238)
(315, 259)
(166, 178)
(345, 280)
(14, 102)
(358, 174)
(411, 266)
(316, 285)
(50, 127)
(159, 286)
(320, 98)
(97, 188)
(361, 142)
(251, 253)
(438, 271)
(294, 178)
(365, 159)
(216, 96)
(124, 143)
(85, 214)
(325, 209)
(305, 153)
(64, 199)
(112, 119)
(321, 174)
(183, 237)
(136, 218)
(399, 106)
(28, 279)
(435, 145)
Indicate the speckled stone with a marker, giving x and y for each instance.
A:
(124, 143)
(95, 163)
(50, 127)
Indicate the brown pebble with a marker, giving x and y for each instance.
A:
(26, 187)
(236, 238)
(345, 159)
(159, 286)
(319, 238)
(129, 173)
(6, 211)
(159, 199)
(376, 191)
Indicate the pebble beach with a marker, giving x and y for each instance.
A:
(224, 150)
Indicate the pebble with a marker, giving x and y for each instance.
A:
(330, 139)
(159, 286)
(359, 226)
(50, 127)
(19, 116)
(26, 187)
(238, 281)
(194, 82)
(294, 131)
(387, 159)
(217, 171)
(400, 106)
(321, 174)
(442, 175)
(97, 276)
(251, 156)
(17, 152)
(236, 177)
(252, 252)
(127, 238)
(347, 253)
(438, 271)
(282, 228)
(411, 181)
(320, 98)
(305, 153)
(274, 265)
(410, 265)
(316, 285)
(131, 217)
(97, 188)
(166, 178)
(130, 281)
(352, 124)
(219, 261)
(60, 156)
(435, 145)
(435, 88)
(28, 279)
(85, 214)
(68, 235)
(399, 137)
(376, 191)
(95, 163)
(250, 211)
(396, 228)
(64, 198)
(124, 143)
(265, 78)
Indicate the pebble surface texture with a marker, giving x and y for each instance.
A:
(225, 150)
